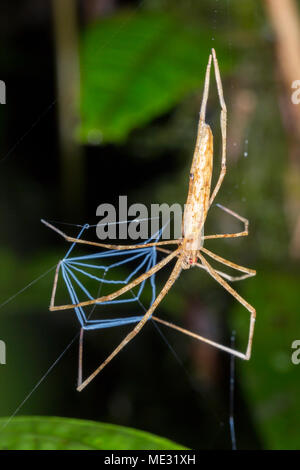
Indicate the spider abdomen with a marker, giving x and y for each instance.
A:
(199, 190)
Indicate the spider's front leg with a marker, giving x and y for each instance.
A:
(223, 120)
(54, 286)
(106, 245)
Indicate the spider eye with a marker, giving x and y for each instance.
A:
(191, 176)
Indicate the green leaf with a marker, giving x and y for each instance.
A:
(51, 433)
(134, 68)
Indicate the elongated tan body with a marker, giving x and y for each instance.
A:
(197, 203)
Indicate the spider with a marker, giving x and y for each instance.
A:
(189, 251)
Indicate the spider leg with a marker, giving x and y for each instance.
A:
(119, 292)
(198, 337)
(172, 278)
(79, 380)
(106, 245)
(223, 119)
(244, 233)
(249, 272)
(205, 92)
(240, 299)
(217, 277)
(54, 285)
(225, 275)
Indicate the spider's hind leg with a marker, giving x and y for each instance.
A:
(248, 272)
(240, 299)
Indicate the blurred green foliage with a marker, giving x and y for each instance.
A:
(134, 68)
(50, 433)
(18, 273)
